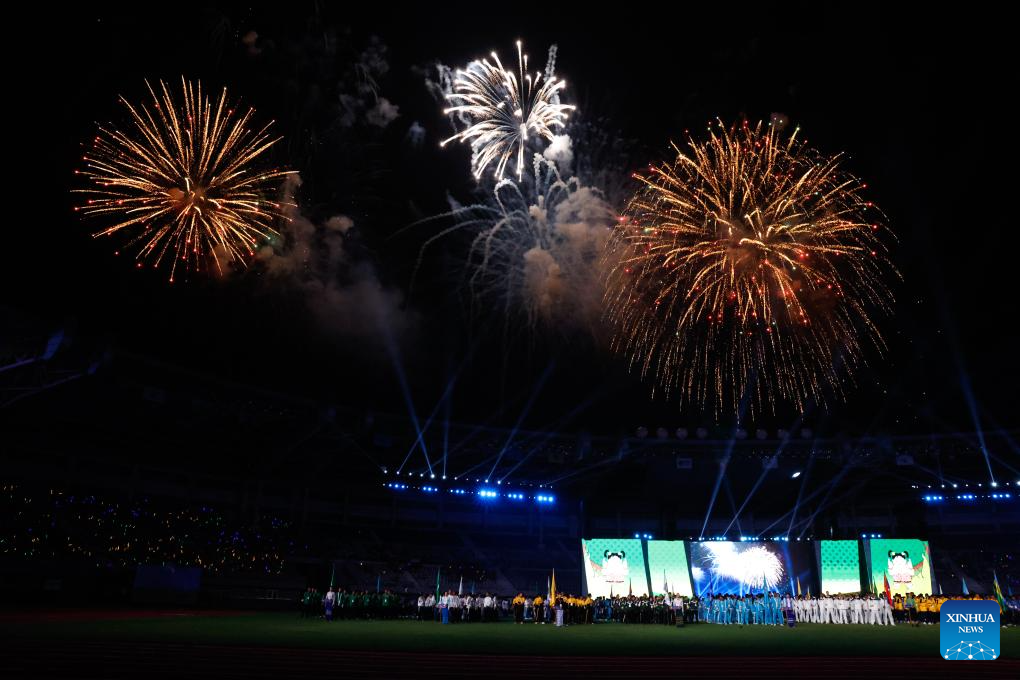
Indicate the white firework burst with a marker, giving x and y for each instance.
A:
(503, 110)
(754, 566)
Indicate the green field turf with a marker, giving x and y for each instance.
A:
(287, 630)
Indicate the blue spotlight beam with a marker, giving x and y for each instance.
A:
(551, 432)
(520, 419)
(725, 461)
(391, 347)
(762, 476)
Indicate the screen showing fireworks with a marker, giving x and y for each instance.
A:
(728, 567)
(904, 562)
(667, 567)
(840, 567)
(614, 566)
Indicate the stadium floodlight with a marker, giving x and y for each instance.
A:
(994, 484)
(795, 475)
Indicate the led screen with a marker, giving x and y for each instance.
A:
(840, 567)
(904, 562)
(667, 565)
(729, 567)
(614, 566)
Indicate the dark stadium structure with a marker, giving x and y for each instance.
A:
(346, 339)
(317, 487)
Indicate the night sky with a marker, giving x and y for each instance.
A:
(918, 103)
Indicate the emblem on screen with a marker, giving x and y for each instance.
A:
(614, 566)
(969, 630)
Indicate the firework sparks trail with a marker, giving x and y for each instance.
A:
(537, 246)
(183, 181)
(503, 110)
(750, 265)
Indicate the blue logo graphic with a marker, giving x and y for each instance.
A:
(969, 630)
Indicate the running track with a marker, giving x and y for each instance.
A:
(32, 659)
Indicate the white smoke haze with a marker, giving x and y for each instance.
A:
(537, 248)
(344, 295)
(416, 135)
(561, 152)
(359, 98)
(383, 113)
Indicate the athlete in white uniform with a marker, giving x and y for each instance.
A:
(885, 613)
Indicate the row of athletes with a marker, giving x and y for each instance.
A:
(924, 609)
(349, 604)
(462, 608)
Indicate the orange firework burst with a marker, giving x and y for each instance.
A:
(183, 182)
(748, 269)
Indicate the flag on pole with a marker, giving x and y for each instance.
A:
(888, 594)
(552, 589)
(437, 586)
(332, 574)
(809, 592)
(798, 586)
(378, 583)
(998, 593)
(472, 587)
(630, 588)
(665, 583)
(964, 582)
(460, 588)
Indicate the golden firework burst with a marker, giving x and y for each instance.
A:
(183, 182)
(748, 270)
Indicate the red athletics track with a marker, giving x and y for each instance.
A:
(33, 659)
(58, 615)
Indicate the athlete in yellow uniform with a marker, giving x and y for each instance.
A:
(518, 604)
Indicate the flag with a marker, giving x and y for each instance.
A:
(665, 583)
(332, 573)
(437, 586)
(940, 589)
(809, 592)
(378, 583)
(885, 584)
(630, 588)
(964, 582)
(460, 588)
(998, 593)
(552, 589)
(798, 586)
(472, 587)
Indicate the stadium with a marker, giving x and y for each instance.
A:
(370, 344)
